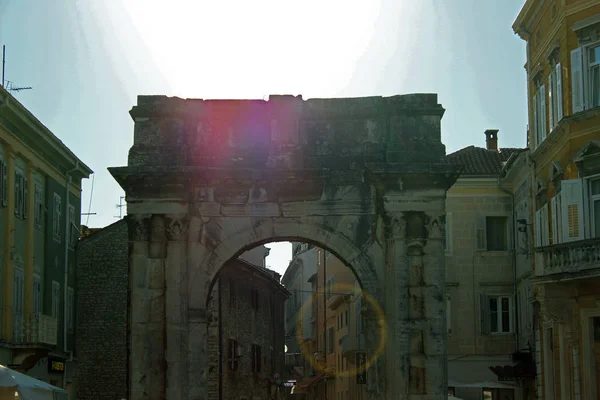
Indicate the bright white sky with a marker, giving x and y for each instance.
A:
(88, 60)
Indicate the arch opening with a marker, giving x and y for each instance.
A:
(314, 317)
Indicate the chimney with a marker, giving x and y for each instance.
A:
(491, 139)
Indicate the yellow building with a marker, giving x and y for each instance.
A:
(40, 199)
(563, 85)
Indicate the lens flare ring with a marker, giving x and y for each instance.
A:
(378, 320)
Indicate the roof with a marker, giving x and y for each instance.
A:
(478, 161)
(45, 137)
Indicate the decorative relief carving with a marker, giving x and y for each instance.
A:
(436, 226)
(177, 228)
(397, 227)
(138, 227)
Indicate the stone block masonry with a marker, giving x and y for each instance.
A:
(102, 286)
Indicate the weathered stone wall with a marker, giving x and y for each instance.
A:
(240, 321)
(363, 177)
(102, 286)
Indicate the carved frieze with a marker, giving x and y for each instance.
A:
(177, 228)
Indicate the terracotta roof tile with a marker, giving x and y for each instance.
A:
(480, 161)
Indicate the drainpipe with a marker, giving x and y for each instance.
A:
(513, 257)
(66, 275)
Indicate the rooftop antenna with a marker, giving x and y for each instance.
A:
(120, 207)
(8, 85)
(3, 62)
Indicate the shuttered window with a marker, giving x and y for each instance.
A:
(577, 98)
(496, 314)
(572, 210)
(3, 181)
(56, 216)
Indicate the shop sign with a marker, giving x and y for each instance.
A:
(56, 365)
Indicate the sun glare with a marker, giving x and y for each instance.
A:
(240, 49)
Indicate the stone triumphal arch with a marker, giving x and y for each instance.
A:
(208, 179)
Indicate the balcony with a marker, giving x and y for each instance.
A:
(36, 329)
(566, 261)
(350, 345)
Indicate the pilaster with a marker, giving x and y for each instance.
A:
(29, 244)
(147, 311)
(9, 246)
(176, 295)
(197, 354)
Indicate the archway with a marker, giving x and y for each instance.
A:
(365, 177)
(240, 297)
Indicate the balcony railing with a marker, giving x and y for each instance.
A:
(35, 329)
(570, 257)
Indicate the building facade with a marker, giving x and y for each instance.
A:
(246, 333)
(298, 309)
(481, 293)
(40, 209)
(563, 49)
(329, 355)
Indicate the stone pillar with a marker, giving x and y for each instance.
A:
(197, 354)
(416, 362)
(433, 289)
(396, 354)
(147, 312)
(176, 309)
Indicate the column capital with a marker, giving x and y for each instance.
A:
(139, 227)
(177, 227)
(396, 226)
(436, 224)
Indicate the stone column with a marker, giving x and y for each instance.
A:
(176, 309)
(396, 354)
(415, 307)
(147, 312)
(432, 282)
(197, 354)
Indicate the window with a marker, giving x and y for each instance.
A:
(447, 238)
(496, 314)
(541, 228)
(448, 314)
(231, 293)
(595, 207)
(539, 113)
(254, 298)
(491, 233)
(555, 110)
(330, 341)
(234, 354)
(572, 210)
(18, 299)
(37, 295)
(20, 195)
(585, 77)
(72, 230)
(38, 212)
(57, 212)
(3, 182)
(256, 358)
(330, 283)
(70, 308)
(55, 299)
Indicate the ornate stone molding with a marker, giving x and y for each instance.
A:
(139, 227)
(396, 227)
(177, 227)
(436, 225)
